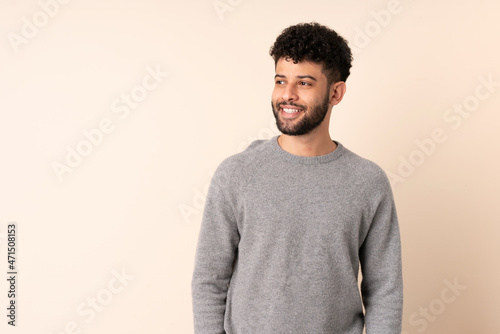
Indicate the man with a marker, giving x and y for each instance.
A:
(288, 222)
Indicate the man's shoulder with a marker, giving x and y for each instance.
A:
(256, 151)
(239, 167)
(365, 170)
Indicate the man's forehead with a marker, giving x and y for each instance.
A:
(287, 67)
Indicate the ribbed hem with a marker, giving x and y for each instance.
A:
(320, 159)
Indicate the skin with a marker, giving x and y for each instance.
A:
(305, 84)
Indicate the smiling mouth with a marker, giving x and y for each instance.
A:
(291, 110)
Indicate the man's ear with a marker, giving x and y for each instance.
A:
(337, 91)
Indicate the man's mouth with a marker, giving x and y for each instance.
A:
(291, 110)
(288, 111)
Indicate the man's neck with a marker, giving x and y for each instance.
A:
(308, 145)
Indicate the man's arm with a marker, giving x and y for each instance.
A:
(380, 258)
(217, 246)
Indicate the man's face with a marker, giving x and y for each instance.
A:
(300, 99)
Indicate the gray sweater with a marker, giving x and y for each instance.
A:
(281, 242)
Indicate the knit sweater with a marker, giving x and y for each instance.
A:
(281, 242)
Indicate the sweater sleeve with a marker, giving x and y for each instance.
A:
(215, 254)
(380, 259)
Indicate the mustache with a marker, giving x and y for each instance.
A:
(279, 104)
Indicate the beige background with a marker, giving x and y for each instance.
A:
(133, 203)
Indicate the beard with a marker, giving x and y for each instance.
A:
(311, 119)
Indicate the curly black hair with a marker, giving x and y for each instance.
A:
(317, 43)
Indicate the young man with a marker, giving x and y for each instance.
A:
(288, 221)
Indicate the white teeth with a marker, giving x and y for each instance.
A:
(290, 111)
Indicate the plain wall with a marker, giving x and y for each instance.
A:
(105, 166)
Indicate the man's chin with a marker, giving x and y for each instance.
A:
(290, 131)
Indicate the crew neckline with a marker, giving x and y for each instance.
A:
(319, 159)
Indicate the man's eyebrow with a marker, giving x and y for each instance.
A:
(306, 77)
(299, 76)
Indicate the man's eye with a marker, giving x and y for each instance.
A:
(303, 83)
(279, 82)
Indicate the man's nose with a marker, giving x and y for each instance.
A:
(290, 93)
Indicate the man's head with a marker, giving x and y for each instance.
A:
(316, 43)
(312, 63)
